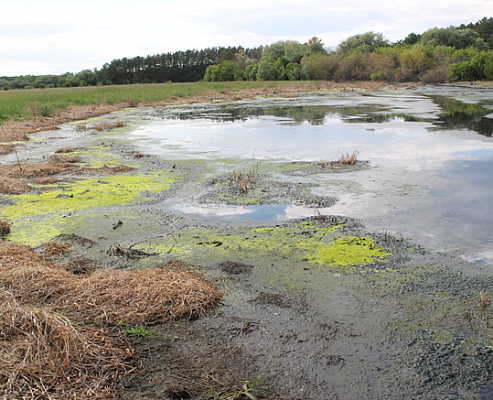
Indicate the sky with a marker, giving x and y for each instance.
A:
(58, 36)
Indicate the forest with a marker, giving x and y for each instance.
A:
(438, 55)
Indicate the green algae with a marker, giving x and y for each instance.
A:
(88, 194)
(88, 121)
(348, 251)
(34, 231)
(294, 167)
(243, 198)
(99, 156)
(264, 229)
(301, 242)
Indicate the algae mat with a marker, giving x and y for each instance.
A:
(39, 213)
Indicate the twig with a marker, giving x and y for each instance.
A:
(155, 237)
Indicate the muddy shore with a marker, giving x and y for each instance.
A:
(319, 307)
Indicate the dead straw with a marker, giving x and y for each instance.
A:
(4, 228)
(108, 296)
(13, 186)
(45, 356)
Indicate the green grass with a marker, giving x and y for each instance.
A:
(141, 332)
(30, 103)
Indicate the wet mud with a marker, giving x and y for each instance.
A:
(319, 307)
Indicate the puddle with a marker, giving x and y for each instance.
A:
(268, 214)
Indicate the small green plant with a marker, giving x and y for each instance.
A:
(378, 76)
(140, 332)
(121, 324)
(247, 389)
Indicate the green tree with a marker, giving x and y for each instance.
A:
(413, 62)
(411, 39)
(274, 51)
(87, 76)
(484, 28)
(265, 71)
(453, 37)
(320, 66)
(367, 41)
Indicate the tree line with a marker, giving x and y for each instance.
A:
(180, 66)
(435, 56)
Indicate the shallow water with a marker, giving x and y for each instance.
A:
(431, 157)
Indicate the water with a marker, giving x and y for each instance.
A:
(259, 214)
(431, 155)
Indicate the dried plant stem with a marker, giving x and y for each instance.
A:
(15, 151)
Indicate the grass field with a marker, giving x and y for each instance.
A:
(32, 103)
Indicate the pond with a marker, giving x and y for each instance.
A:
(430, 155)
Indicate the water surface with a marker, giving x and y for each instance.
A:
(431, 156)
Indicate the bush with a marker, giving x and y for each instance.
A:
(478, 66)
(378, 76)
(436, 75)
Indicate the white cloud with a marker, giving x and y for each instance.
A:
(91, 33)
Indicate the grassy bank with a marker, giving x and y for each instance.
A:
(33, 103)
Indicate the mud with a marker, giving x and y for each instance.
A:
(319, 307)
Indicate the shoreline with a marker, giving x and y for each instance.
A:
(393, 319)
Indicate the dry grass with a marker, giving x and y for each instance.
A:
(107, 296)
(13, 186)
(47, 180)
(344, 159)
(45, 356)
(115, 170)
(4, 228)
(57, 158)
(65, 150)
(54, 249)
(107, 125)
(6, 148)
(52, 166)
(9, 135)
(242, 179)
(80, 267)
(349, 159)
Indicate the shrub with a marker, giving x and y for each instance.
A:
(435, 75)
(478, 66)
(378, 76)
